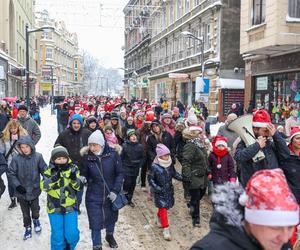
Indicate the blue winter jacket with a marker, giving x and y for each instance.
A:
(98, 205)
(160, 180)
(276, 152)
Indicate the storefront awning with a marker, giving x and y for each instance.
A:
(224, 83)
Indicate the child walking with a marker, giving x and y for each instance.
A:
(133, 159)
(61, 182)
(24, 173)
(160, 180)
(220, 162)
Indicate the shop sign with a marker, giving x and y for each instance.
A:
(46, 86)
(262, 83)
(179, 76)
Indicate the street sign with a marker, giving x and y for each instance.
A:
(178, 76)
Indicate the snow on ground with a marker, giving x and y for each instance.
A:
(135, 230)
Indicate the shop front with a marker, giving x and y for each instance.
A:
(278, 93)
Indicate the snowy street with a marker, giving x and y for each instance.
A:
(136, 228)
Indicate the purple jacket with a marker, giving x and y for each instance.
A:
(222, 175)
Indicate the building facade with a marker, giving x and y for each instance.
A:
(270, 44)
(59, 60)
(14, 15)
(137, 55)
(217, 24)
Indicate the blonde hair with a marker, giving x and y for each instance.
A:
(13, 124)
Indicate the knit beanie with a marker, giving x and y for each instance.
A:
(76, 117)
(114, 116)
(192, 118)
(59, 151)
(96, 138)
(161, 150)
(130, 132)
(23, 107)
(155, 122)
(91, 119)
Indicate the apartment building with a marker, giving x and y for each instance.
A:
(59, 64)
(137, 55)
(14, 15)
(270, 45)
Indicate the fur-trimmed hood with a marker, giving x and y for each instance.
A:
(188, 135)
(226, 202)
(180, 126)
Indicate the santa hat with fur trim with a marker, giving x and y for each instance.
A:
(220, 141)
(268, 200)
(261, 119)
(295, 131)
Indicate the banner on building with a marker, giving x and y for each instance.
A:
(46, 86)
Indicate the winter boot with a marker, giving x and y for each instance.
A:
(13, 204)
(196, 222)
(111, 241)
(37, 226)
(166, 234)
(97, 247)
(28, 233)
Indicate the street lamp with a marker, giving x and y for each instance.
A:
(201, 40)
(27, 32)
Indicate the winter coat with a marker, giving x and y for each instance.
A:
(5, 147)
(167, 140)
(73, 141)
(98, 206)
(3, 164)
(64, 117)
(222, 175)
(226, 224)
(160, 181)
(32, 128)
(275, 151)
(25, 170)
(179, 141)
(291, 169)
(61, 194)
(133, 157)
(230, 135)
(3, 121)
(194, 166)
(126, 128)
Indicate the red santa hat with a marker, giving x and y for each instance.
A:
(150, 116)
(268, 200)
(295, 131)
(261, 119)
(220, 141)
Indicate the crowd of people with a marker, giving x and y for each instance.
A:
(106, 146)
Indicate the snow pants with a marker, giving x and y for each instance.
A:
(26, 207)
(64, 230)
(129, 186)
(162, 214)
(96, 234)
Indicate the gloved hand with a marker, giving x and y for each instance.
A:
(112, 196)
(232, 180)
(73, 176)
(21, 189)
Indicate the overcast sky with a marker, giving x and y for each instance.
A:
(100, 30)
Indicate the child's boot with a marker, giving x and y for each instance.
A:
(37, 226)
(166, 234)
(28, 233)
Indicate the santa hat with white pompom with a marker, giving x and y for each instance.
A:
(268, 200)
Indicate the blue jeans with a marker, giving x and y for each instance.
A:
(96, 235)
(64, 229)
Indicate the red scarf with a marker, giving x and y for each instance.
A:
(292, 149)
(220, 153)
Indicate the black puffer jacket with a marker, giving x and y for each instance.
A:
(133, 158)
(291, 169)
(276, 152)
(167, 140)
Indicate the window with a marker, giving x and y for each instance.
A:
(258, 11)
(196, 2)
(49, 53)
(207, 37)
(171, 11)
(294, 8)
(76, 65)
(76, 77)
(179, 9)
(187, 6)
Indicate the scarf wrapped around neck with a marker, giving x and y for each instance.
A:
(111, 139)
(220, 153)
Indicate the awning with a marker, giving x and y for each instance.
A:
(224, 83)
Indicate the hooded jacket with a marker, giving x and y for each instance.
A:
(226, 224)
(25, 170)
(73, 141)
(32, 128)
